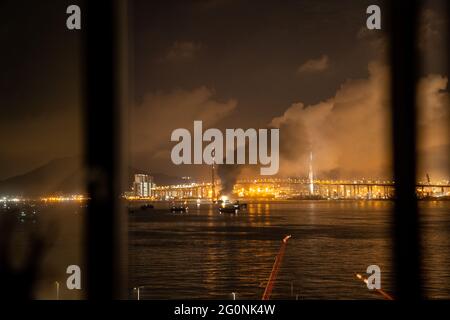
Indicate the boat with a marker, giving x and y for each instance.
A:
(147, 206)
(229, 208)
(179, 208)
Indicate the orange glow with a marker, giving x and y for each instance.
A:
(76, 197)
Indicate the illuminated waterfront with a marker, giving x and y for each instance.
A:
(294, 188)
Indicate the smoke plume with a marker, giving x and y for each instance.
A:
(349, 134)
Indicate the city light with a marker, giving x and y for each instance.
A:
(295, 188)
(76, 197)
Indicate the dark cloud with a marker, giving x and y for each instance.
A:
(315, 65)
(160, 113)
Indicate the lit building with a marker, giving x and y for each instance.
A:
(143, 185)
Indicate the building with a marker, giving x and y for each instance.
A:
(143, 185)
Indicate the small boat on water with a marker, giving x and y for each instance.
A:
(147, 207)
(179, 207)
(144, 207)
(229, 208)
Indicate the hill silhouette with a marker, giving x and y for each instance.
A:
(63, 176)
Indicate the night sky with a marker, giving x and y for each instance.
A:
(310, 68)
(39, 85)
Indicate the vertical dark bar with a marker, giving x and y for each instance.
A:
(404, 62)
(447, 49)
(103, 154)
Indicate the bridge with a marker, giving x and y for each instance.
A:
(297, 187)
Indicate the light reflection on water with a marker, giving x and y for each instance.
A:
(204, 254)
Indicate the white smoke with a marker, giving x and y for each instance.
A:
(350, 134)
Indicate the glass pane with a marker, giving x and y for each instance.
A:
(42, 194)
(308, 71)
(433, 150)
